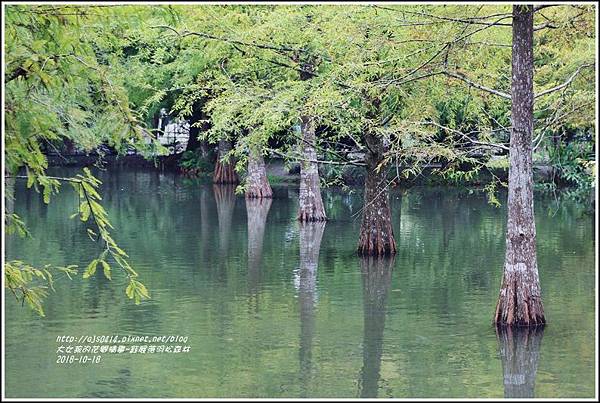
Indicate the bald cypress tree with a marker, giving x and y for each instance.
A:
(520, 301)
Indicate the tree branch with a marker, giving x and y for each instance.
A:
(471, 83)
(566, 83)
(464, 135)
(296, 158)
(183, 34)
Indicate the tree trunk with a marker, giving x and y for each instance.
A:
(225, 171)
(225, 199)
(376, 277)
(520, 352)
(311, 205)
(520, 302)
(310, 243)
(257, 211)
(257, 184)
(376, 233)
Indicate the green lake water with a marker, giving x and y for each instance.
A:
(273, 309)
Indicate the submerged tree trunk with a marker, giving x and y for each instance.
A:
(225, 171)
(225, 199)
(257, 211)
(520, 302)
(520, 352)
(376, 277)
(376, 233)
(310, 243)
(311, 205)
(257, 184)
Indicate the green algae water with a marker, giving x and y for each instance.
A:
(270, 308)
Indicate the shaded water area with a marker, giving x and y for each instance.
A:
(275, 309)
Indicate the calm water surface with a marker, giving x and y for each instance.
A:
(274, 309)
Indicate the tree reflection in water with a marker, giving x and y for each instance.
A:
(311, 234)
(257, 211)
(225, 199)
(376, 279)
(519, 351)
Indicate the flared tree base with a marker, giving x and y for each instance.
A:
(377, 247)
(259, 192)
(311, 214)
(519, 303)
(225, 174)
(376, 232)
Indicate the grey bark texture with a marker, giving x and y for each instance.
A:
(311, 204)
(520, 302)
(257, 184)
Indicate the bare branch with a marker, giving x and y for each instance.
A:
(566, 83)
(297, 158)
(469, 20)
(464, 135)
(547, 24)
(183, 34)
(462, 77)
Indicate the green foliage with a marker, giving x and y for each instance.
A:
(573, 165)
(14, 224)
(59, 86)
(86, 185)
(24, 282)
(256, 70)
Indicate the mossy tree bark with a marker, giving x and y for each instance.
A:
(520, 302)
(376, 232)
(376, 278)
(257, 184)
(225, 171)
(520, 352)
(311, 204)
